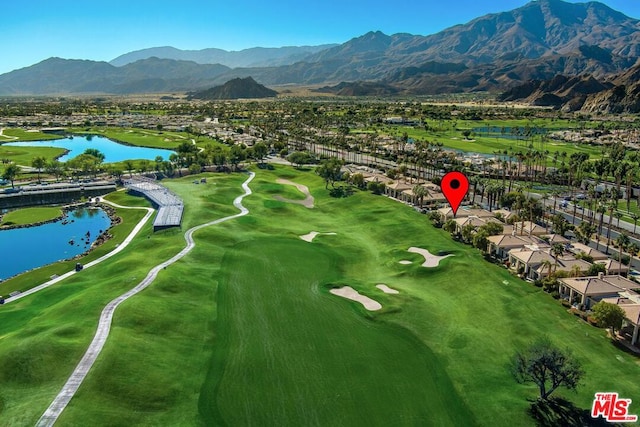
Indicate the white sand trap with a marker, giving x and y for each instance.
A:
(349, 293)
(430, 260)
(309, 237)
(386, 289)
(405, 262)
(307, 202)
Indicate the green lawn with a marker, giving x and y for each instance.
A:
(25, 155)
(31, 215)
(244, 330)
(479, 143)
(10, 134)
(139, 137)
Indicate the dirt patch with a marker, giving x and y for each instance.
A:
(307, 202)
(430, 260)
(309, 237)
(349, 293)
(386, 289)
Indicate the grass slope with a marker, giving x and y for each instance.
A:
(28, 216)
(243, 330)
(138, 137)
(25, 155)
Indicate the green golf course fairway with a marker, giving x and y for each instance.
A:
(290, 354)
(243, 330)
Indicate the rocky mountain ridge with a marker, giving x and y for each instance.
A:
(619, 94)
(494, 52)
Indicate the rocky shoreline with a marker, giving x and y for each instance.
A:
(101, 239)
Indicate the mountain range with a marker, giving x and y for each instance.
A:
(253, 57)
(619, 94)
(494, 52)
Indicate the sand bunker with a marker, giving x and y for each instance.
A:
(307, 202)
(430, 260)
(309, 237)
(405, 262)
(349, 293)
(386, 289)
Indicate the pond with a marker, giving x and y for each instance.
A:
(113, 151)
(23, 249)
(508, 132)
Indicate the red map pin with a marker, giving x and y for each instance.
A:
(454, 186)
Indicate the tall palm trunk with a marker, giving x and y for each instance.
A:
(609, 231)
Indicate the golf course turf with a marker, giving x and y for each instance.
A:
(28, 216)
(244, 330)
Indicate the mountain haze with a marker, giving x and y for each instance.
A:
(491, 53)
(253, 57)
(61, 76)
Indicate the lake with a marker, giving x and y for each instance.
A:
(23, 249)
(516, 132)
(113, 151)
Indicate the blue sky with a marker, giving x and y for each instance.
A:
(33, 30)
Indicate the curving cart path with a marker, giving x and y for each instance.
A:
(65, 395)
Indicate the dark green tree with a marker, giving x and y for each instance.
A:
(608, 315)
(236, 155)
(129, 166)
(10, 173)
(55, 168)
(260, 151)
(299, 158)
(329, 170)
(547, 366)
(95, 153)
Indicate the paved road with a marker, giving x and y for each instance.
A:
(65, 395)
(117, 250)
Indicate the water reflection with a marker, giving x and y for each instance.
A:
(113, 151)
(23, 249)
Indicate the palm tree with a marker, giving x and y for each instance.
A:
(419, 192)
(575, 271)
(557, 250)
(601, 209)
(548, 264)
(634, 216)
(611, 208)
(622, 241)
(555, 195)
(39, 163)
(633, 250)
(618, 215)
(585, 231)
(544, 199)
